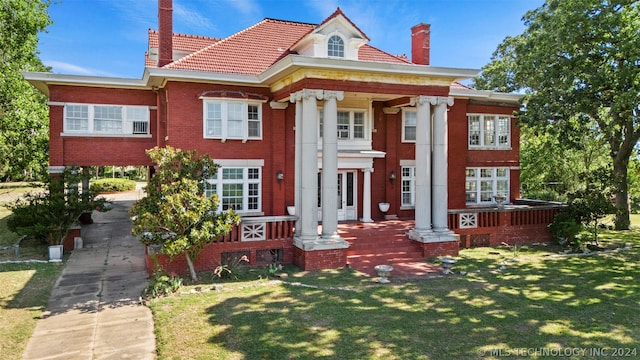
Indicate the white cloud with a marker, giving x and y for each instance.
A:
(61, 67)
(248, 8)
(190, 18)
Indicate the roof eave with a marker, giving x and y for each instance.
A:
(42, 80)
(292, 62)
(159, 76)
(487, 95)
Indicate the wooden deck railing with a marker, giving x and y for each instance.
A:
(511, 224)
(261, 228)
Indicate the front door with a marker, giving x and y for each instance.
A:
(347, 196)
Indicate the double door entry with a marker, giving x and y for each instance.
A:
(347, 196)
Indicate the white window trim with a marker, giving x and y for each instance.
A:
(224, 114)
(351, 111)
(404, 112)
(409, 164)
(127, 124)
(245, 165)
(344, 45)
(494, 179)
(482, 146)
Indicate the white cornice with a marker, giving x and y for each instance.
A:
(486, 95)
(41, 81)
(292, 62)
(159, 76)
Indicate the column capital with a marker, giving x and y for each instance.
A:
(278, 105)
(421, 100)
(305, 94)
(448, 100)
(330, 94)
(433, 100)
(367, 170)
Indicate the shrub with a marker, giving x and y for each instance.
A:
(112, 185)
(47, 216)
(162, 284)
(565, 227)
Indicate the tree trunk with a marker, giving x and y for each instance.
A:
(192, 270)
(620, 166)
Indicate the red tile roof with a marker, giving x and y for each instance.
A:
(254, 49)
(181, 42)
(457, 85)
(250, 51)
(339, 12)
(370, 53)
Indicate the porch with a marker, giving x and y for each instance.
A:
(267, 239)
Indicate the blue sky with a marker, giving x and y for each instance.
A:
(109, 37)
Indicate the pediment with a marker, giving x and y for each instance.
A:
(317, 42)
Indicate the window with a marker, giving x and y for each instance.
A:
(350, 124)
(106, 119)
(238, 188)
(408, 186)
(335, 46)
(492, 131)
(227, 119)
(408, 126)
(483, 184)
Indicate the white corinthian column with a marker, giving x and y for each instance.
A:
(330, 165)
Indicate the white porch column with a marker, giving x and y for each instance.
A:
(440, 165)
(330, 165)
(366, 196)
(298, 163)
(423, 167)
(307, 211)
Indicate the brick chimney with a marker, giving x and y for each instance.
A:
(420, 44)
(165, 32)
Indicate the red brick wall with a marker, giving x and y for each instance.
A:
(92, 151)
(435, 249)
(211, 256)
(320, 259)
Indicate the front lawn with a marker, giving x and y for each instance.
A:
(538, 301)
(24, 294)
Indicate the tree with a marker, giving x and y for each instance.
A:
(48, 215)
(578, 66)
(23, 110)
(551, 169)
(176, 213)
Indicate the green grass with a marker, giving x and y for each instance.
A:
(29, 249)
(541, 300)
(24, 293)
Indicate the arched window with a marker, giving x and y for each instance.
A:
(335, 46)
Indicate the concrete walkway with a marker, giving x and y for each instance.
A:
(94, 311)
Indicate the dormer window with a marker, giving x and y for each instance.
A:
(335, 47)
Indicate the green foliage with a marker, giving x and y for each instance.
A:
(23, 109)
(577, 63)
(112, 185)
(176, 213)
(552, 168)
(48, 215)
(585, 211)
(565, 227)
(234, 269)
(162, 284)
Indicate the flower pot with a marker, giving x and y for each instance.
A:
(55, 253)
(447, 264)
(383, 206)
(383, 272)
(291, 210)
